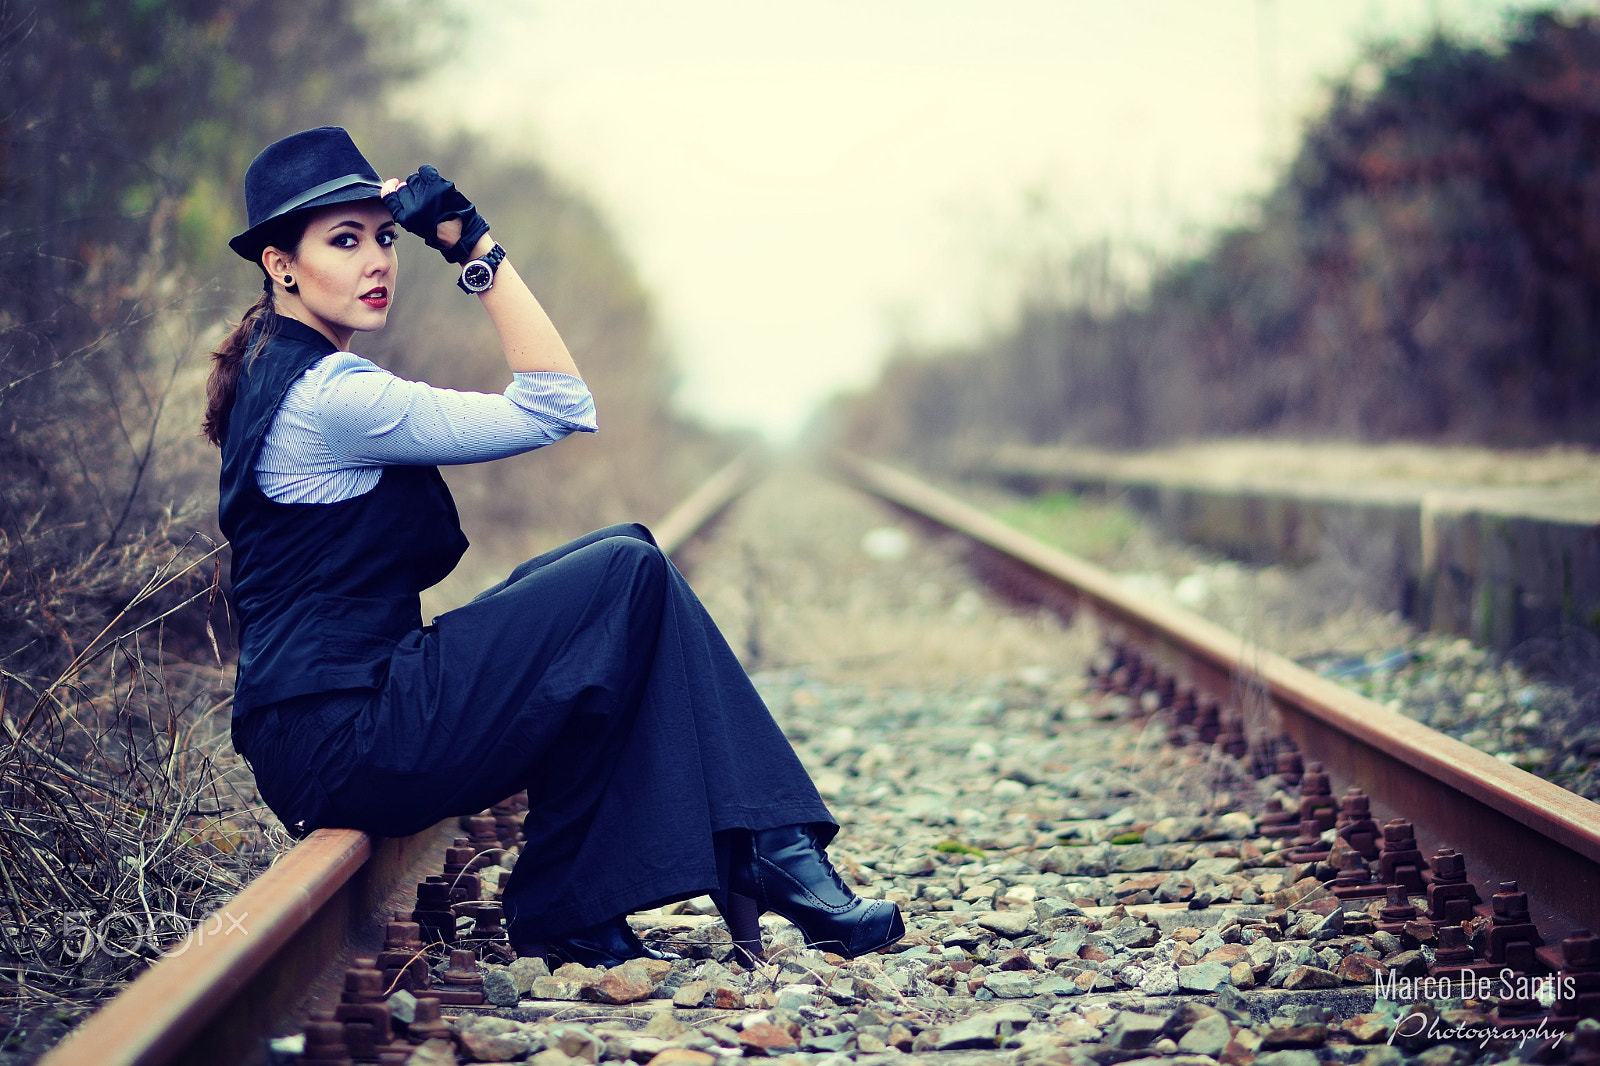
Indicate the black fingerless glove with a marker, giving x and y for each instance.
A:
(427, 199)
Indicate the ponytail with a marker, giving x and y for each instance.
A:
(258, 326)
(242, 344)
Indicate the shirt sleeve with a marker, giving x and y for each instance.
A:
(369, 416)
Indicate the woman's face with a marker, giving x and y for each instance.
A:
(345, 269)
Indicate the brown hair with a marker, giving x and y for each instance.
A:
(256, 327)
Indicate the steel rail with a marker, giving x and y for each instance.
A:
(253, 962)
(1511, 825)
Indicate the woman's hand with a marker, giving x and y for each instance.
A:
(434, 209)
(447, 232)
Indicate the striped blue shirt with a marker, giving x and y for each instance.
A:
(346, 418)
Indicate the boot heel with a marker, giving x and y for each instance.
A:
(744, 923)
(787, 872)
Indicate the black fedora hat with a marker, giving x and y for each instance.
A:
(312, 168)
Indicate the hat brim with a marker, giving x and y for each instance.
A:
(252, 242)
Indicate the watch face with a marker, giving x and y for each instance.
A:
(477, 276)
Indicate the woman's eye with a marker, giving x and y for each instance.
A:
(386, 238)
(345, 240)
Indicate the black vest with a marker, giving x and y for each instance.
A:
(323, 592)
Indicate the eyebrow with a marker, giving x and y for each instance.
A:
(353, 224)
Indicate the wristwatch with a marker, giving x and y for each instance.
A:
(478, 274)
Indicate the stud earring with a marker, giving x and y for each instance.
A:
(288, 281)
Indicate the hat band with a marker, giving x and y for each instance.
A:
(320, 190)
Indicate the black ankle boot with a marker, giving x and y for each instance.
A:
(610, 943)
(785, 871)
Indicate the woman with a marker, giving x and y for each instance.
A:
(591, 677)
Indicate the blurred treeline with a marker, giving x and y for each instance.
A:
(125, 129)
(1428, 268)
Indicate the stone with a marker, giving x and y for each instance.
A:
(1287, 1058)
(633, 1047)
(573, 971)
(977, 1031)
(1130, 1030)
(797, 997)
(1216, 867)
(828, 1041)
(663, 1026)
(402, 1007)
(657, 969)
(1009, 924)
(494, 1039)
(576, 1042)
(1159, 980)
(439, 1051)
(964, 939)
(1302, 977)
(526, 969)
(1387, 1055)
(765, 1038)
(1135, 858)
(500, 987)
(553, 987)
(1242, 975)
(1208, 1036)
(628, 983)
(1310, 1035)
(1135, 934)
(1203, 977)
(682, 1056)
(1227, 954)
(1017, 959)
(554, 1057)
(1329, 927)
(725, 998)
(1368, 1028)
(1358, 969)
(1055, 986)
(691, 995)
(1237, 825)
(1407, 964)
(1241, 1050)
(1054, 907)
(1009, 984)
(982, 890)
(870, 1043)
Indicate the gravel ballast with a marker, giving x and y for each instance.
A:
(1076, 888)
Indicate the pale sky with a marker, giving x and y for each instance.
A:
(801, 185)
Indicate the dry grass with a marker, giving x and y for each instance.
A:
(125, 816)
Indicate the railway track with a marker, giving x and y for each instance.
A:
(291, 931)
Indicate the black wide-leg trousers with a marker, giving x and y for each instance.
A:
(593, 678)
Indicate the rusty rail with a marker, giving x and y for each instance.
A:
(253, 962)
(1511, 825)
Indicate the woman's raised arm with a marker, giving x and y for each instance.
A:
(529, 338)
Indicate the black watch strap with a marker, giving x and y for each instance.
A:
(477, 275)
